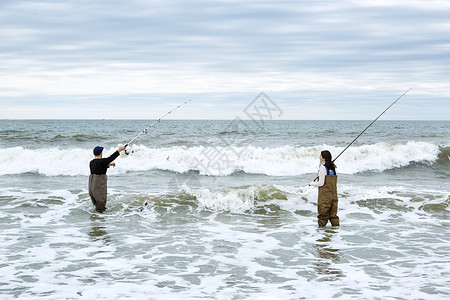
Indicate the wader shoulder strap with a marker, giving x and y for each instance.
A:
(330, 172)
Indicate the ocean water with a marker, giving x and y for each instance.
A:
(223, 210)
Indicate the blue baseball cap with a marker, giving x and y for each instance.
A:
(98, 150)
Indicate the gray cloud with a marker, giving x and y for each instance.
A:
(321, 49)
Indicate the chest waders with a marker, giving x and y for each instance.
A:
(98, 191)
(327, 204)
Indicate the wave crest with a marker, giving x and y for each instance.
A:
(224, 161)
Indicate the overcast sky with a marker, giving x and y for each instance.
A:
(138, 59)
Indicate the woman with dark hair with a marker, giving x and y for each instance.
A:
(328, 201)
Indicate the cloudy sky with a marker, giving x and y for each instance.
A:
(138, 59)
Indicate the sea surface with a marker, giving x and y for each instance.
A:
(222, 210)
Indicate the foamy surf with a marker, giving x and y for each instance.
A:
(278, 161)
(244, 229)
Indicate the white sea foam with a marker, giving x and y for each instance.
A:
(51, 251)
(220, 161)
(240, 236)
(229, 199)
(376, 202)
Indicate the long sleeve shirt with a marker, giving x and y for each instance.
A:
(322, 174)
(99, 166)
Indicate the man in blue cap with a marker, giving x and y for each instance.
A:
(98, 180)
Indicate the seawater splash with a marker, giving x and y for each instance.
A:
(55, 246)
(230, 199)
(278, 161)
(230, 234)
(384, 156)
(45, 161)
(355, 203)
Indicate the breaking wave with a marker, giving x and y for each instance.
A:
(224, 161)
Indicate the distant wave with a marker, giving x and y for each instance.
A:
(224, 161)
(77, 137)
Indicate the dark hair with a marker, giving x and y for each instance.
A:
(328, 162)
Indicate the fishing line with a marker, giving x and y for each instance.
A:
(155, 122)
(368, 127)
(371, 124)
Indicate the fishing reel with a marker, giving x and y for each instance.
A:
(128, 152)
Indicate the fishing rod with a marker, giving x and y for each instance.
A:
(371, 124)
(368, 127)
(156, 121)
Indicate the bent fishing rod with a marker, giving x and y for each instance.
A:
(368, 127)
(155, 122)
